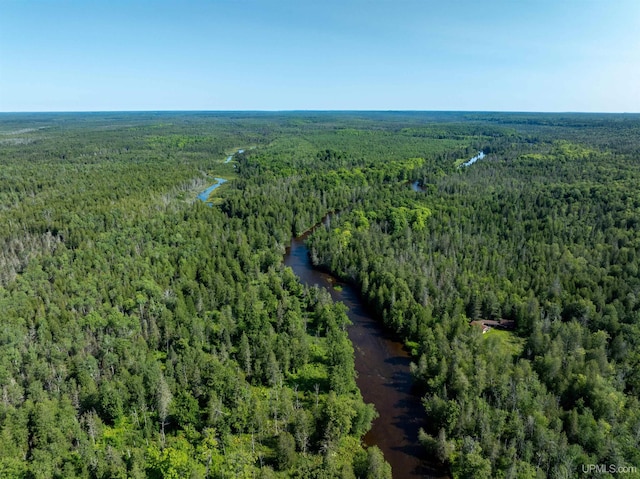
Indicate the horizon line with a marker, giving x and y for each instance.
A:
(565, 112)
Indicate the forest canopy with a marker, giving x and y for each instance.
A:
(145, 333)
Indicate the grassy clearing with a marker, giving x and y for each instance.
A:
(506, 340)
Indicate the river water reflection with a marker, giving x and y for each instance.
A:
(383, 375)
(204, 196)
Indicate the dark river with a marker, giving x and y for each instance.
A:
(383, 375)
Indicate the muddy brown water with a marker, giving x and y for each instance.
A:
(384, 377)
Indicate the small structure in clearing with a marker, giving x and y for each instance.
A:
(487, 324)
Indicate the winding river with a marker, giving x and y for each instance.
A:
(204, 196)
(230, 157)
(384, 377)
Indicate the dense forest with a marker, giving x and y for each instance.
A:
(145, 333)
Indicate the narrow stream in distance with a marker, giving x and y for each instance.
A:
(471, 161)
(384, 377)
(230, 157)
(204, 196)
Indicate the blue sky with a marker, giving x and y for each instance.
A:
(517, 55)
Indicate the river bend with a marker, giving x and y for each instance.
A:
(384, 377)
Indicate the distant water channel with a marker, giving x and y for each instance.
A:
(383, 374)
(230, 157)
(418, 188)
(479, 156)
(204, 196)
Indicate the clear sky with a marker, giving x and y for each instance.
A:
(503, 55)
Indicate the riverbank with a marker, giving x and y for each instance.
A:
(384, 376)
